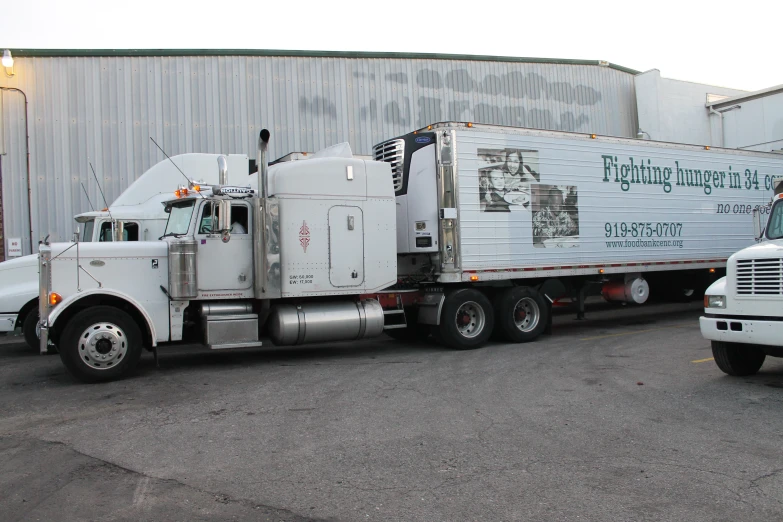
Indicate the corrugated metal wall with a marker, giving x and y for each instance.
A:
(105, 109)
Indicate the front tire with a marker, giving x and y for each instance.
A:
(521, 314)
(466, 321)
(737, 359)
(101, 343)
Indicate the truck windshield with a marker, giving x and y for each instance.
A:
(179, 218)
(775, 221)
(89, 226)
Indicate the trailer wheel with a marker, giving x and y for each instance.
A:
(521, 314)
(31, 332)
(466, 321)
(100, 343)
(737, 359)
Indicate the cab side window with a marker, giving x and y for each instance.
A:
(239, 218)
(129, 233)
(205, 224)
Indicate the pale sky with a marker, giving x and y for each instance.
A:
(728, 44)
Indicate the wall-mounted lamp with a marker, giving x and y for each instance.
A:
(640, 134)
(8, 63)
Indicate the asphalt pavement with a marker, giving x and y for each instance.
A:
(623, 416)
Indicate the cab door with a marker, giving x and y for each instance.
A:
(346, 246)
(225, 266)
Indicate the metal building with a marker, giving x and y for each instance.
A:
(62, 110)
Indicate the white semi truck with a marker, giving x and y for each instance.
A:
(459, 230)
(743, 316)
(136, 215)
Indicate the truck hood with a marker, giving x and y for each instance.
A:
(20, 263)
(18, 283)
(772, 249)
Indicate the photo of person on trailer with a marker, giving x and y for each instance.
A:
(505, 176)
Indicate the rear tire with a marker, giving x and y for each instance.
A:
(737, 359)
(101, 343)
(466, 321)
(521, 314)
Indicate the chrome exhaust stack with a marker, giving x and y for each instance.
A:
(263, 168)
(223, 170)
(224, 205)
(266, 221)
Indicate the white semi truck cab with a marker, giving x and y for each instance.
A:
(290, 258)
(743, 316)
(136, 215)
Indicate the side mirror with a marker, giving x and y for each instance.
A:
(224, 219)
(119, 231)
(76, 235)
(758, 227)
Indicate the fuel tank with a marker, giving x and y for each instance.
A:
(324, 322)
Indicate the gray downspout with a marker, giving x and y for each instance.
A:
(713, 111)
(27, 148)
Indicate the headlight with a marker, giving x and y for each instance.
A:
(714, 301)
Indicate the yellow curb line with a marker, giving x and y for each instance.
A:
(704, 360)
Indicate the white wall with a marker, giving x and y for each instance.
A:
(103, 110)
(673, 110)
(756, 125)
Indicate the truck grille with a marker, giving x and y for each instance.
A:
(392, 151)
(760, 277)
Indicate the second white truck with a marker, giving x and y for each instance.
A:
(743, 316)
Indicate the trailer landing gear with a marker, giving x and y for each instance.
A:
(581, 295)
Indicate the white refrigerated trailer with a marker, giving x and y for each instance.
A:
(547, 214)
(458, 230)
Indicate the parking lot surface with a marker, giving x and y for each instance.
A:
(622, 416)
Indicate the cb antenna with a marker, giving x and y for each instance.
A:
(190, 182)
(104, 200)
(88, 198)
(102, 194)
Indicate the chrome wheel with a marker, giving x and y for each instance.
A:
(470, 319)
(102, 345)
(526, 314)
